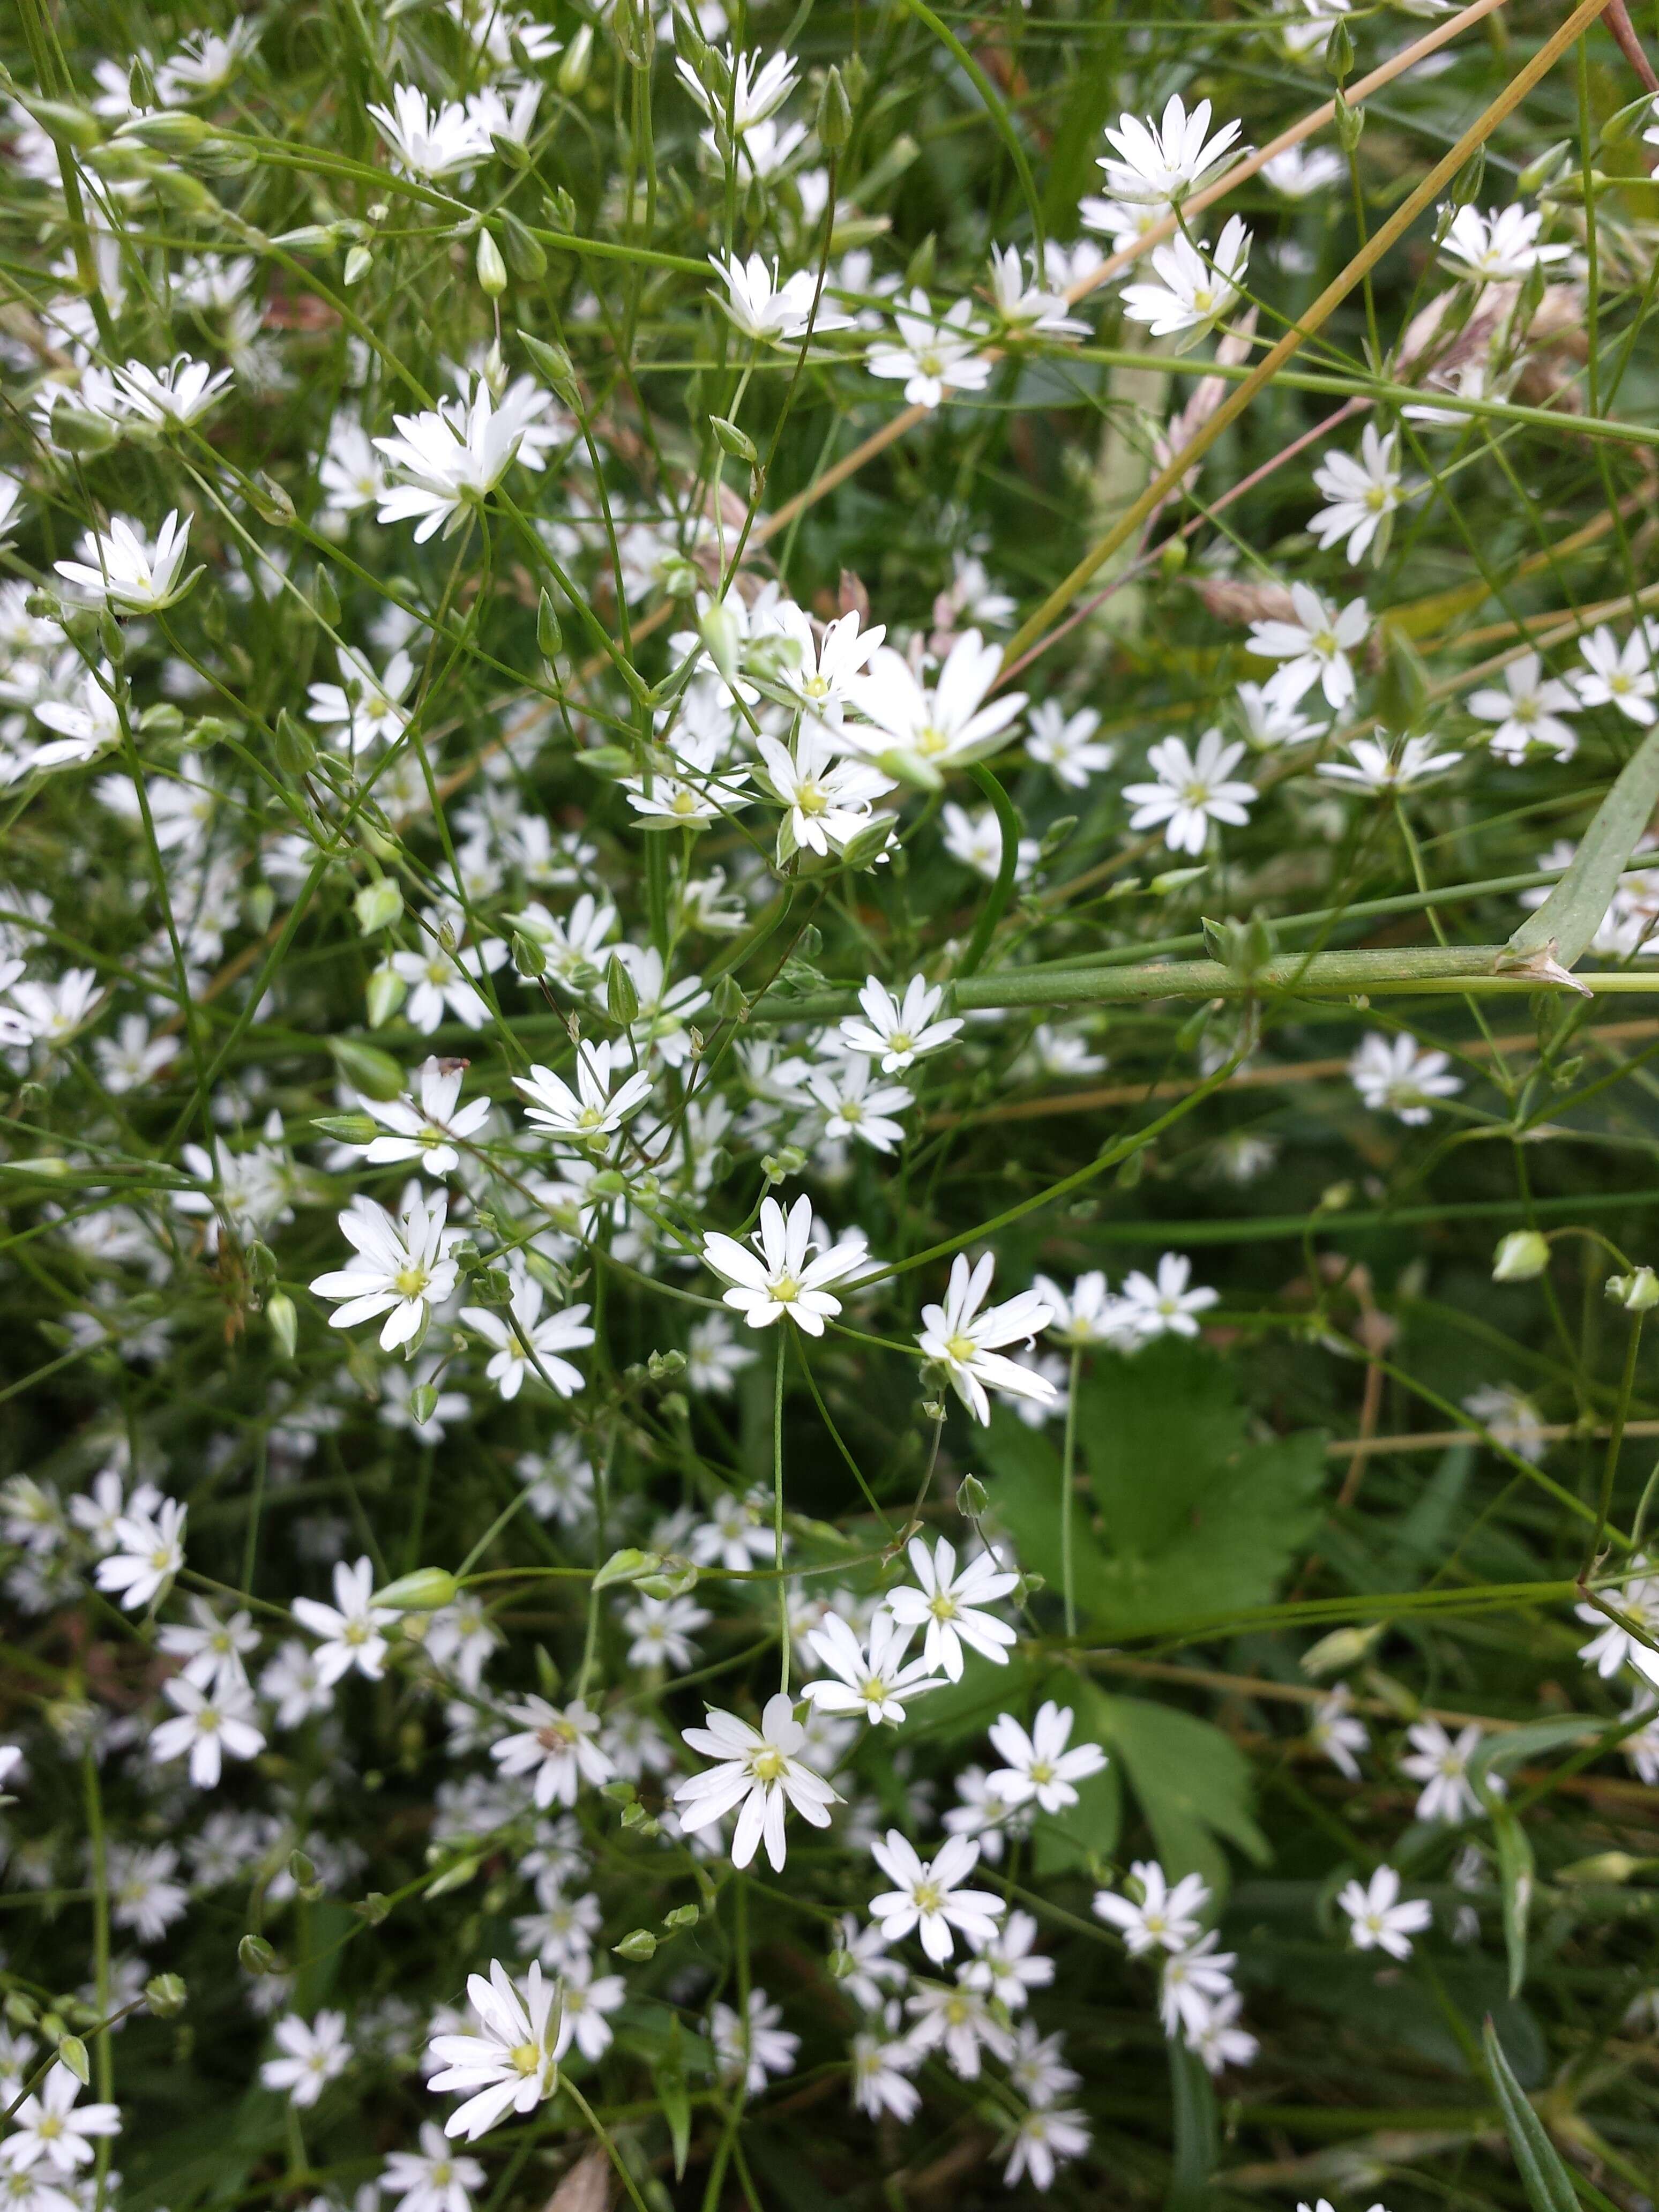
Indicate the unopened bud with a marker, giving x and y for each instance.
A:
(358, 263)
(283, 1322)
(425, 1590)
(386, 992)
(1521, 1255)
(165, 1995)
(256, 1956)
(622, 1000)
(638, 1947)
(1341, 1648)
(719, 633)
(378, 905)
(492, 270)
(366, 1068)
(972, 1498)
(1638, 1292)
(835, 120)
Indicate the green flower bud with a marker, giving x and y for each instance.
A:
(1521, 1256)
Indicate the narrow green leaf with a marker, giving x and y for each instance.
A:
(1544, 2176)
(1516, 1870)
(1191, 2100)
(1564, 925)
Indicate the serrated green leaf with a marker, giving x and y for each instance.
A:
(1193, 1517)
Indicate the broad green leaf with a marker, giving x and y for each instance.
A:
(1564, 925)
(1544, 2175)
(1191, 1782)
(1192, 1518)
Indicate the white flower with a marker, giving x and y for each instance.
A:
(514, 2064)
(662, 1628)
(1442, 1766)
(1195, 1980)
(1192, 790)
(149, 1550)
(1221, 2043)
(975, 838)
(363, 706)
(773, 313)
(964, 1339)
(429, 141)
(959, 2022)
(348, 1631)
(1497, 246)
(434, 2178)
(1038, 1767)
(122, 568)
(527, 1345)
(750, 2046)
(1159, 163)
(1163, 1918)
(828, 796)
(50, 2130)
(208, 1725)
(1378, 1921)
(771, 1274)
(292, 1682)
(1338, 1732)
(424, 1125)
(453, 456)
(1008, 1969)
(588, 1998)
(180, 393)
(895, 1031)
(1065, 744)
(1090, 1315)
(594, 1110)
(1360, 494)
(1269, 722)
(1314, 649)
(853, 1109)
(950, 1607)
(1043, 2141)
(313, 2052)
(85, 725)
(831, 657)
(758, 89)
(144, 1897)
(948, 725)
(875, 1684)
(1382, 768)
(1616, 676)
(210, 1648)
(1027, 308)
(1394, 1075)
(926, 1895)
(1613, 1648)
(934, 354)
(1300, 171)
(880, 2067)
(1527, 711)
(556, 1745)
(1196, 288)
(441, 978)
(759, 1776)
(403, 1268)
